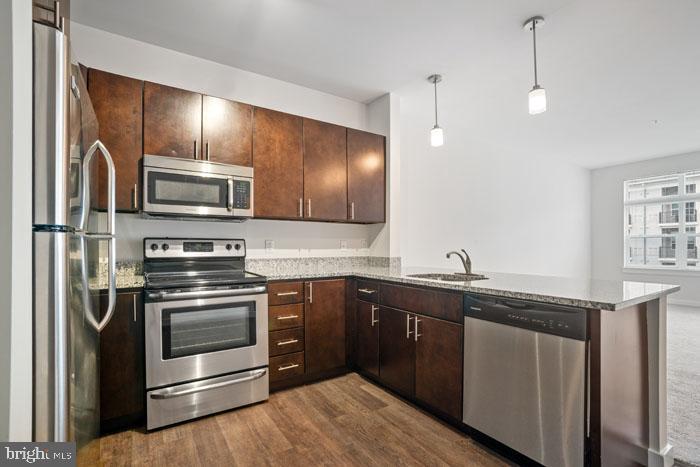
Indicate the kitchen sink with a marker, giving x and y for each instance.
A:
(454, 277)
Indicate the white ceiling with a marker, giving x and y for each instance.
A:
(610, 67)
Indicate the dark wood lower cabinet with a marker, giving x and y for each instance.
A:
(367, 350)
(325, 325)
(397, 350)
(122, 361)
(439, 365)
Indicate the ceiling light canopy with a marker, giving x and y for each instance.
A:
(537, 97)
(437, 137)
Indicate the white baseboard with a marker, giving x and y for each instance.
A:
(675, 301)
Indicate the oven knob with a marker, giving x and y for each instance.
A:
(238, 246)
(154, 246)
(165, 246)
(228, 246)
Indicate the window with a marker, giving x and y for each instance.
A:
(661, 222)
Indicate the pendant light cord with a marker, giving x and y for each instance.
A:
(534, 47)
(436, 113)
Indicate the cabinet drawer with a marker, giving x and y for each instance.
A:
(286, 366)
(286, 316)
(429, 302)
(287, 341)
(368, 291)
(282, 293)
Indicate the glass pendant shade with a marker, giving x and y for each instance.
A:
(437, 138)
(537, 100)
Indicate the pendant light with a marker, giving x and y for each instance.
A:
(437, 138)
(537, 98)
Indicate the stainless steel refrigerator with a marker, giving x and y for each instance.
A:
(70, 253)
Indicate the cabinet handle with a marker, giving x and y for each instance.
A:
(352, 210)
(311, 292)
(374, 321)
(408, 326)
(290, 341)
(415, 327)
(301, 207)
(207, 150)
(288, 367)
(134, 308)
(284, 294)
(195, 149)
(368, 291)
(309, 214)
(282, 318)
(136, 195)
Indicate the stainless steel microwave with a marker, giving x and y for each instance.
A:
(179, 187)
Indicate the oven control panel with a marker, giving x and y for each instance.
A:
(193, 248)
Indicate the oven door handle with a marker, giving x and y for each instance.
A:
(165, 295)
(170, 393)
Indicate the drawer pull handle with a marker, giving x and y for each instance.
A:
(285, 294)
(475, 308)
(288, 367)
(370, 291)
(290, 341)
(287, 317)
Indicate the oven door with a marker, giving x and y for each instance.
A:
(195, 338)
(185, 193)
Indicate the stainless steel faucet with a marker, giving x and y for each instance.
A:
(466, 261)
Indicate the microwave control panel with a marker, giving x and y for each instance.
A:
(241, 194)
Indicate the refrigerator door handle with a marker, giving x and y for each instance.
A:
(109, 235)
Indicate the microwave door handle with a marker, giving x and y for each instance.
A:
(230, 194)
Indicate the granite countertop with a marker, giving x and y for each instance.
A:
(587, 293)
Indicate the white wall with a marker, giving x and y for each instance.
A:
(512, 213)
(608, 220)
(15, 220)
(117, 54)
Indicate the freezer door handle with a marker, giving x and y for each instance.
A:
(109, 235)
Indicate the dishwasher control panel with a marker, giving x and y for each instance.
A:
(539, 317)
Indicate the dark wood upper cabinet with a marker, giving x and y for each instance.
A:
(325, 171)
(366, 176)
(172, 121)
(439, 365)
(325, 325)
(227, 131)
(117, 101)
(278, 164)
(397, 350)
(122, 360)
(367, 352)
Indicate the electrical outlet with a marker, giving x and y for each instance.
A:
(269, 245)
(343, 244)
(363, 243)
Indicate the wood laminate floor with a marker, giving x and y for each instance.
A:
(342, 421)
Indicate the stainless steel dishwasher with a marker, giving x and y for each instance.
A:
(525, 381)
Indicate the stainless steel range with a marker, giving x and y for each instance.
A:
(206, 329)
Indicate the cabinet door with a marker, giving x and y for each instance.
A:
(117, 101)
(227, 131)
(122, 383)
(439, 365)
(278, 164)
(366, 177)
(172, 121)
(325, 325)
(325, 171)
(397, 350)
(368, 337)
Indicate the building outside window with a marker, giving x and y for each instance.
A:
(661, 222)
